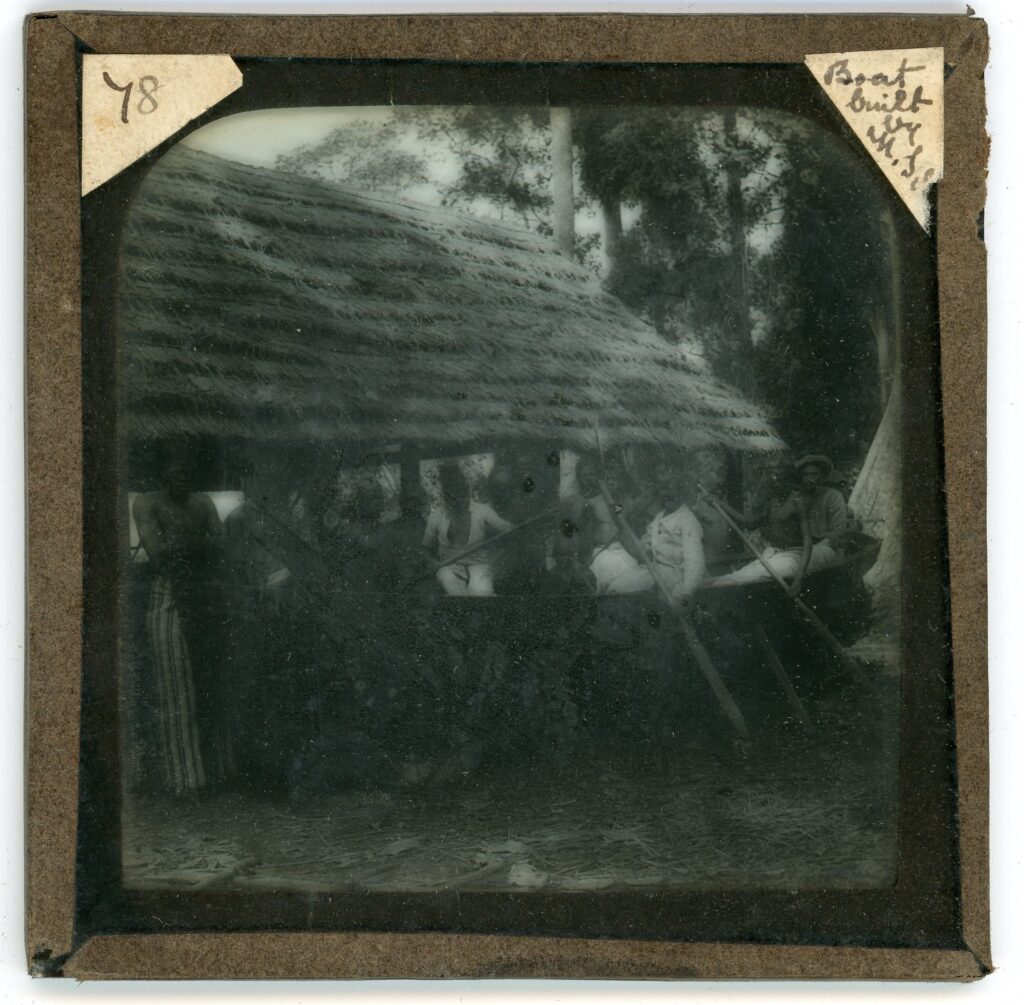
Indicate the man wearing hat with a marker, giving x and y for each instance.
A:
(827, 516)
(804, 527)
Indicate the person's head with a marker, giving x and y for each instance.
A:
(618, 479)
(782, 477)
(368, 502)
(671, 482)
(454, 487)
(709, 465)
(176, 477)
(588, 476)
(812, 470)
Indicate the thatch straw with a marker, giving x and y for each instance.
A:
(256, 303)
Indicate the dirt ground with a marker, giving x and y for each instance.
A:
(799, 806)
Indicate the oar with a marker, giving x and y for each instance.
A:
(700, 654)
(315, 601)
(815, 623)
(780, 674)
(465, 552)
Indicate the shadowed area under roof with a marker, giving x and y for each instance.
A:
(255, 303)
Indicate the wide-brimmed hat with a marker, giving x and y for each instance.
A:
(818, 459)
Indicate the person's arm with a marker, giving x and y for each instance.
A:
(805, 547)
(837, 518)
(743, 519)
(430, 532)
(208, 545)
(213, 530)
(493, 522)
(636, 509)
(630, 542)
(691, 555)
(151, 535)
(572, 535)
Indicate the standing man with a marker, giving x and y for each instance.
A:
(180, 532)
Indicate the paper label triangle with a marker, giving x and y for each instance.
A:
(892, 100)
(132, 103)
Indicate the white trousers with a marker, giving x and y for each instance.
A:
(784, 562)
(466, 579)
(617, 571)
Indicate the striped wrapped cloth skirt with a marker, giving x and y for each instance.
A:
(180, 751)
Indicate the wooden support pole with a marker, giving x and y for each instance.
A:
(693, 643)
(780, 675)
(467, 551)
(713, 677)
(814, 622)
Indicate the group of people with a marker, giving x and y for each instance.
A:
(650, 528)
(673, 534)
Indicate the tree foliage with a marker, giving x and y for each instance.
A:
(363, 154)
(749, 235)
(757, 237)
(500, 156)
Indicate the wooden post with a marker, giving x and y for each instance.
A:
(409, 477)
(563, 203)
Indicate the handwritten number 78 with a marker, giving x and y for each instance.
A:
(147, 104)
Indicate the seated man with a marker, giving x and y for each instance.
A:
(600, 551)
(827, 515)
(720, 544)
(671, 558)
(804, 526)
(460, 524)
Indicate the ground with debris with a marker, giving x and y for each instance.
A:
(796, 807)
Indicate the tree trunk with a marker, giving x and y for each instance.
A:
(883, 346)
(563, 208)
(740, 367)
(741, 370)
(888, 336)
(611, 214)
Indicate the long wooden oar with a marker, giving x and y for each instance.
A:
(812, 619)
(487, 541)
(780, 674)
(700, 654)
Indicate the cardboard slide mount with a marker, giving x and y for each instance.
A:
(63, 937)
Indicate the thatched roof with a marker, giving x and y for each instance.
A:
(256, 303)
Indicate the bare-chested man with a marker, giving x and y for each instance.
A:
(783, 519)
(600, 552)
(180, 532)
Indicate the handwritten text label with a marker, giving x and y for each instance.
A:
(893, 102)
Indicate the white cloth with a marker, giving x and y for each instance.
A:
(475, 576)
(674, 544)
(467, 579)
(610, 562)
(481, 520)
(784, 562)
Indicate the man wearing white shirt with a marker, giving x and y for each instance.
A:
(672, 547)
